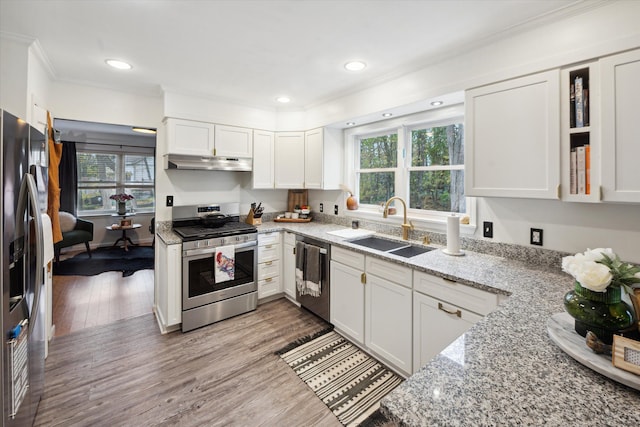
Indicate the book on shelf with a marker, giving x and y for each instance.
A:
(585, 106)
(572, 105)
(587, 169)
(581, 172)
(579, 102)
(573, 179)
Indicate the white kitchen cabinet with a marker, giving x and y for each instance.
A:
(232, 141)
(388, 319)
(289, 160)
(289, 266)
(620, 130)
(347, 293)
(442, 311)
(269, 254)
(512, 138)
(263, 159)
(190, 137)
(168, 291)
(322, 159)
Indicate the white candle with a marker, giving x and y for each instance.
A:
(453, 234)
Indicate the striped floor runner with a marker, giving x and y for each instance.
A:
(346, 379)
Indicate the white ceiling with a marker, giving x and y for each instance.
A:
(251, 52)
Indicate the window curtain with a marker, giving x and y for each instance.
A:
(68, 173)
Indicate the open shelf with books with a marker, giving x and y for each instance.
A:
(580, 137)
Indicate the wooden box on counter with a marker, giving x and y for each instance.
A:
(252, 220)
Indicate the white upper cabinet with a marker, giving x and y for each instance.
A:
(190, 137)
(323, 159)
(289, 160)
(263, 159)
(620, 128)
(231, 141)
(512, 138)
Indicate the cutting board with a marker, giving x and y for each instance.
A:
(297, 197)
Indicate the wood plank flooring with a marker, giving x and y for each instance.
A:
(225, 374)
(84, 301)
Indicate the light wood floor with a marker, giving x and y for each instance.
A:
(225, 374)
(84, 301)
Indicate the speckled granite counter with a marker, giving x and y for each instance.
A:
(509, 371)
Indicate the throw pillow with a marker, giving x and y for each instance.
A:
(67, 221)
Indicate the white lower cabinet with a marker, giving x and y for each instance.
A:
(168, 293)
(347, 299)
(269, 254)
(289, 265)
(443, 310)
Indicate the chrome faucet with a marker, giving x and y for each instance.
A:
(406, 226)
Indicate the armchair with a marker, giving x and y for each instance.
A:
(81, 233)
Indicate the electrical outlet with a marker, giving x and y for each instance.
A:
(536, 236)
(487, 229)
(169, 200)
(335, 209)
(321, 207)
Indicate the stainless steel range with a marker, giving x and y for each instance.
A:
(219, 263)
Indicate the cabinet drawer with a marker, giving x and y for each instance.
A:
(347, 257)
(268, 269)
(390, 271)
(268, 238)
(268, 253)
(269, 286)
(290, 238)
(463, 296)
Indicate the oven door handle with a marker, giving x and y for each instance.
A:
(212, 249)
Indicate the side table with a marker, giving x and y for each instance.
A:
(125, 239)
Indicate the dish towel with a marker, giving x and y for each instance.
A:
(313, 278)
(224, 263)
(300, 261)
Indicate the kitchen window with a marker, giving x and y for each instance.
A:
(419, 158)
(104, 170)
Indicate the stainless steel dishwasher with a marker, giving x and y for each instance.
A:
(318, 305)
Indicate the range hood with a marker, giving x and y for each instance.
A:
(217, 163)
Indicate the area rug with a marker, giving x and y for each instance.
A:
(107, 259)
(346, 379)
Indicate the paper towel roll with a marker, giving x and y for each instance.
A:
(453, 235)
(47, 237)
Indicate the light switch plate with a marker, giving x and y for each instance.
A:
(536, 236)
(487, 229)
(169, 200)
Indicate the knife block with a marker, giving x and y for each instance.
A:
(251, 220)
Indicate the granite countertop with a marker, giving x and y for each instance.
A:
(507, 370)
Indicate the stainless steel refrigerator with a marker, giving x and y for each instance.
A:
(24, 198)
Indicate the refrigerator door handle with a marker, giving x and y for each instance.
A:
(29, 190)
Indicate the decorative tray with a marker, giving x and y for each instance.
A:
(561, 332)
(292, 220)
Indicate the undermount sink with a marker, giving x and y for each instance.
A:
(410, 251)
(379, 243)
(402, 249)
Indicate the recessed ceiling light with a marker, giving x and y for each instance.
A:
(437, 103)
(387, 114)
(144, 130)
(355, 66)
(283, 99)
(351, 123)
(120, 65)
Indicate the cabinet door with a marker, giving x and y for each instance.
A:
(289, 271)
(620, 131)
(263, 159)
(313, 159)
(512, 138)
(436, 325)
(347, 301)
(168, 298)
(388, 321)
(190, 137)
(233, 141)
(289, 163)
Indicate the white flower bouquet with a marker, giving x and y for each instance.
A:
(597, 269)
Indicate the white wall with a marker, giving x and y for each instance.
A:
(14, 72)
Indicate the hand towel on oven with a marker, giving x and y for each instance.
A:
(224, 263)
(300, 260)
(312, 272)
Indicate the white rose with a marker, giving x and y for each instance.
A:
(596, 254)
(569, 265)
(593, 276)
